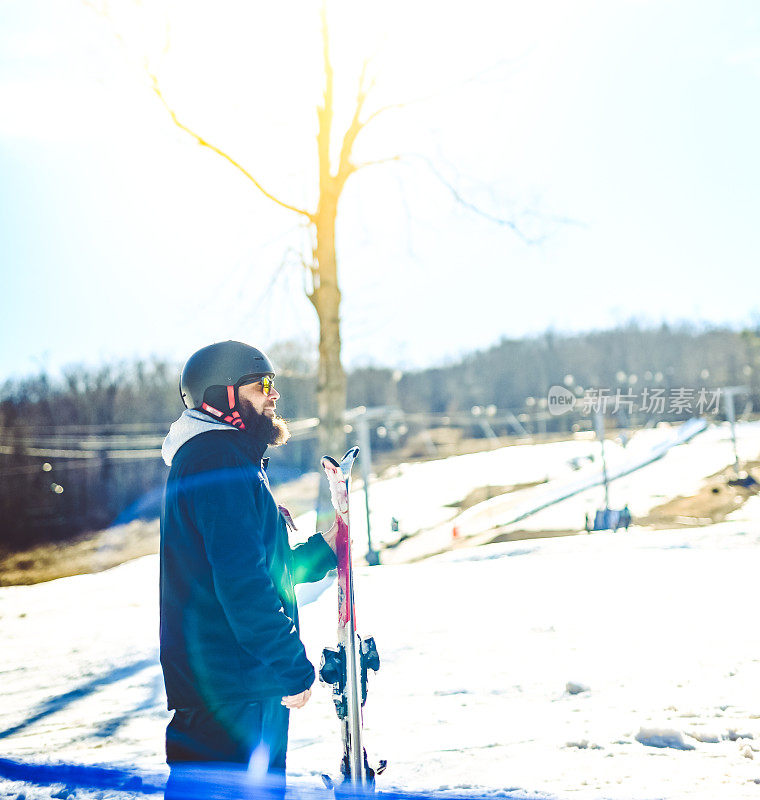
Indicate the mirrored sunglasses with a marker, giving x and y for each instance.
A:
(267, 383)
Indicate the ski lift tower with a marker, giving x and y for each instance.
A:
(599, 426)
(740, 478)
(607, 518)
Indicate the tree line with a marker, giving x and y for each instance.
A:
(81, 452)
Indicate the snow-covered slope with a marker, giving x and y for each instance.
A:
(483, 650)
(602, 666)
(420, 496)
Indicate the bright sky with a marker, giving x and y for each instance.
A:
(622, 133)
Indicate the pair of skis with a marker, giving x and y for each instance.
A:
(346, 667)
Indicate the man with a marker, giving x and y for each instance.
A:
(233, 663)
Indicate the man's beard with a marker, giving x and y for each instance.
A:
(271, 431)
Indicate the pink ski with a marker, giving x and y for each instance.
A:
(346, 667)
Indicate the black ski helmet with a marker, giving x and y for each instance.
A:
(212, 369)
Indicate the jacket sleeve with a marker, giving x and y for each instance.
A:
(229, 518)
(312, 560)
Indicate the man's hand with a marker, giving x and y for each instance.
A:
(331, 535)
(297, 700)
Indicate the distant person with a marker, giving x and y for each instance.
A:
(625, 517)
(233, 662)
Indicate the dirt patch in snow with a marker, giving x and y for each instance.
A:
(715, 500)
(518, 536)
(483, 493)
(93, 552)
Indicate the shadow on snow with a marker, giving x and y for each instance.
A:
(61, 701)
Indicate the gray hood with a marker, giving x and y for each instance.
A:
(191, 423)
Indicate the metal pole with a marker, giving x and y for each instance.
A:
(731, 414)
(373, 557)
(728, 393)
(599, 424)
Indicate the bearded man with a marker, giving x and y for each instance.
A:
(232, 658)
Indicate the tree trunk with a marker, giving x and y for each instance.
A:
(325, 295)
(331, 380)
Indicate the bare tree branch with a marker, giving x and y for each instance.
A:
(252, 312)
(438, 94)
(376, 161)
(345, 167)
(507, 223)
(554, 218)
(201, 141)
(390, 107)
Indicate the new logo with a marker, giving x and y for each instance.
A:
(561, 401)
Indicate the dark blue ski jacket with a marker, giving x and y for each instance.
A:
(229, 619)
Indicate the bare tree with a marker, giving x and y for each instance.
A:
(323, 289)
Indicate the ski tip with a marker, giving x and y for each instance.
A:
(351, 453)
(330, 460)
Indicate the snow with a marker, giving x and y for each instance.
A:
(573, 687)
(663, 737)
(608, 666)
